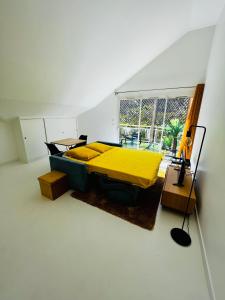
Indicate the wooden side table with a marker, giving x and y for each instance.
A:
(53, 184)
(175, 196)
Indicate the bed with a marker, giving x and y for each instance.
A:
(123, 174)
(137, 167)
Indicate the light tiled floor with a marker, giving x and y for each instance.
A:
(66, 249)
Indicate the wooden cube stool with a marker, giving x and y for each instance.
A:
(53, 184)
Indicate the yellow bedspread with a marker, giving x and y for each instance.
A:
(134, 166)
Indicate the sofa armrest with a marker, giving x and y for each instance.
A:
(77, 172)
(110, 144)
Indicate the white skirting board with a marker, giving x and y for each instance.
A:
(205, 260)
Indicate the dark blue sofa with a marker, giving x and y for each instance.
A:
(76, 171)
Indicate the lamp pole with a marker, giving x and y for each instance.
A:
(180, 236)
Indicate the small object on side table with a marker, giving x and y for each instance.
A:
(53, 184)
(181, 174)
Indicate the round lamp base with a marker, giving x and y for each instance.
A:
(181, 237)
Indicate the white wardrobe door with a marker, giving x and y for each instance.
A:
(60, 128)
(34, 137)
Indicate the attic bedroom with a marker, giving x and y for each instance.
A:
(111, 154)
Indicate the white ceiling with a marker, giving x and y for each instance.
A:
(205, 13)
(78, 51)
(181, 65)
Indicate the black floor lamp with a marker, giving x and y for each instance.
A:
(179, 235)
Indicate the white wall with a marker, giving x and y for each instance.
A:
(212, 165)
(183, 64)
(101, 122)
(8, 150)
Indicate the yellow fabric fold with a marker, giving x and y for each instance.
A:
(137, 167)
(82, 153)
(99, 147)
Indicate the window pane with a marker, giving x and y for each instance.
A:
(147, 109)
(160, 109)
(129, 112)
(177, 109)
(161, 122)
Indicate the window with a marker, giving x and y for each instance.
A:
(154, 123)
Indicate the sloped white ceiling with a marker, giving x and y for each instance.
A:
(181, 65)
(77, 52)
(205, 13)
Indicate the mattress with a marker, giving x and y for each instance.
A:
(134, 166)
